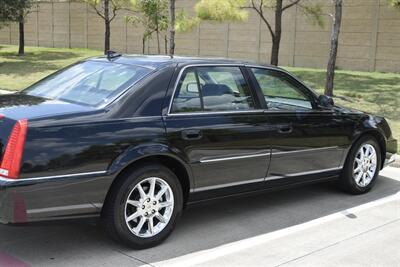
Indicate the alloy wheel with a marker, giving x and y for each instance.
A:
(365, 164)
(149, 207)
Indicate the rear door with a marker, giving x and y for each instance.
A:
(215, 121)
(305, 139)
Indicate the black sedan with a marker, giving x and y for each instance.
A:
(134, 139)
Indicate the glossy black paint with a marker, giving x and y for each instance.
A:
(74, 153)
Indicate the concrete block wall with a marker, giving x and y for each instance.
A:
(369, 41)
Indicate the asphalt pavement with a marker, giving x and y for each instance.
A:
(315, 225)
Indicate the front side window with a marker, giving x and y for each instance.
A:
(90, 83)
(212, 89)
(280, 92)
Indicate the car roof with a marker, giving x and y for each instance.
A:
(159, 61)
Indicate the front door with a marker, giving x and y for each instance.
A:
(218, 126)
(305, 140)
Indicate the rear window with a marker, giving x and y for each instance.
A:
(89, 83)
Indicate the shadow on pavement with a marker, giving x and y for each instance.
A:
(201, 227)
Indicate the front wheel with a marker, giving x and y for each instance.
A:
(362, 166)
(144, 206)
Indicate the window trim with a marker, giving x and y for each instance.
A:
(240, 66)
(306, 90)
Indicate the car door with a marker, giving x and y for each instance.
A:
(306, 140)
(216, 123)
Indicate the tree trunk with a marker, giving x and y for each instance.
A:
(158, 42)
(21, 49)
(144, 45)
(107, 26)
(158, 35)
(171, 27)
(166, 44)
(276, 39)
(330, 74)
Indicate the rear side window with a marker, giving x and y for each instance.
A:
(212, 89)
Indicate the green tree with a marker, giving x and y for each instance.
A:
(5, 12)
(107, 10)
(16, 11)
(153, 15)
(394, 3)
(237, 10)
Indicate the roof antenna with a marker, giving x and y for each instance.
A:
(112, 54)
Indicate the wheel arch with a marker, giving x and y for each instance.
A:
(135, 157)
(378, 136)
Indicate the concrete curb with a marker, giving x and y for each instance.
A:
(396, 163)
(3, 92)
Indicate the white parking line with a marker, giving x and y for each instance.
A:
(200, 257)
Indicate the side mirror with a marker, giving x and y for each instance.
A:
(325, 101)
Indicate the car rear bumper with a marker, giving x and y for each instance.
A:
(44, 198)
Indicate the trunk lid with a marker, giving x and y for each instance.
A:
(15, 108)
(21, 106)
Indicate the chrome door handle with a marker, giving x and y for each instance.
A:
(192, 134)
(285, 129)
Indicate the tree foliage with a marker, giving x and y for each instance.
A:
(99, 6)
(107, 10)
(5, 12)
(237, 10)
(14, 10)
(153, 16)
(394, 3)
(222, 10)
(185, 23)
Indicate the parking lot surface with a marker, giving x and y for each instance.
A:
(312, 225)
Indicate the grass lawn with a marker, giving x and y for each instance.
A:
(16, 72)
(377, 93)
(373, 92)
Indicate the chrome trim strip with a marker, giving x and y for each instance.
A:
(211, 187)
(52, 177)
(196, 65)
(235, 157)
(276, 177)
(205, 188)
(65, 208)
(303, 150)
(216, 112)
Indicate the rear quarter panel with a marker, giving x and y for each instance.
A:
(70, 149)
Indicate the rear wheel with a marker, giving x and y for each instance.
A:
(144, 206)
(362, 166)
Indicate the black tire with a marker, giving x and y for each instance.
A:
(347, 181)
(113, 213)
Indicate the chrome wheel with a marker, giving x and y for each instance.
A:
(365, 165)
(149, 207)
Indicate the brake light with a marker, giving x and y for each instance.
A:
(11, 163)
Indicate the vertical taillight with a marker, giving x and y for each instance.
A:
(11, 163)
